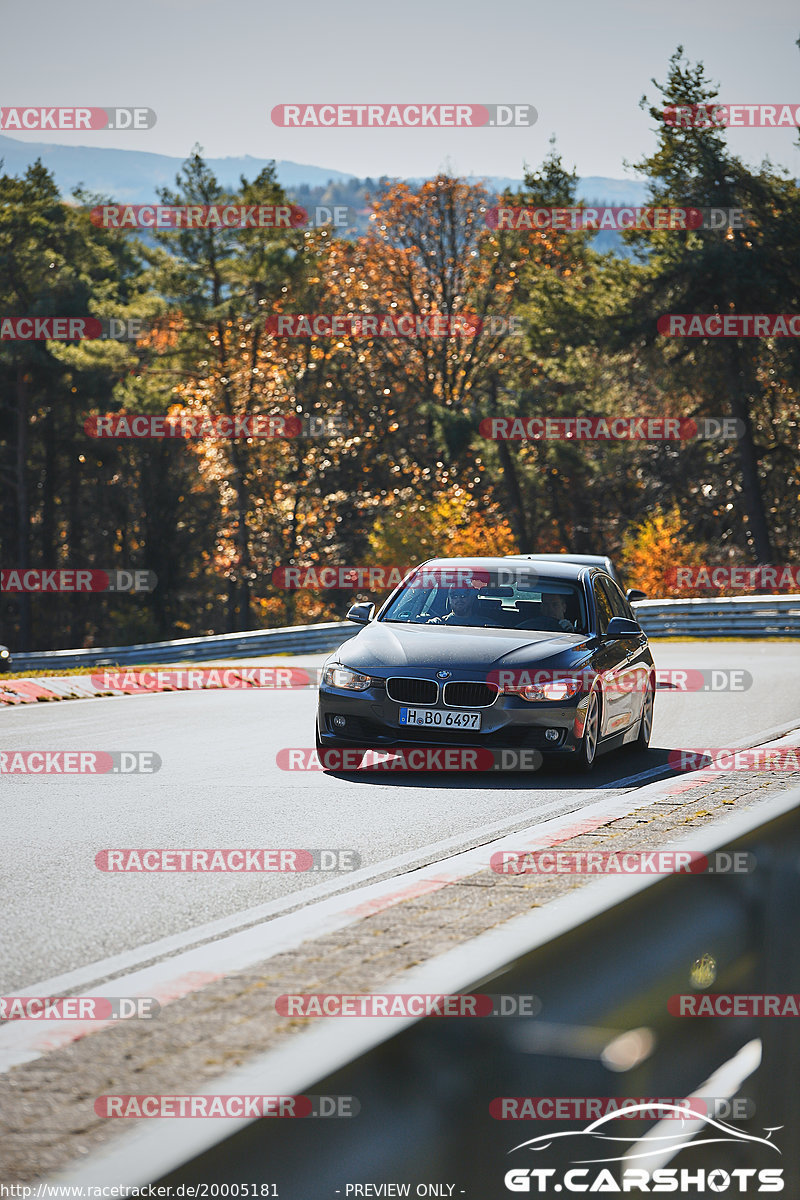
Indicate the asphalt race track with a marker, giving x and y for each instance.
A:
(219, 785)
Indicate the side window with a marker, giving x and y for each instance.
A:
(619, 606)
(604, 613)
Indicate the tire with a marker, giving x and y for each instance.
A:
(646, 721)
(587, 753)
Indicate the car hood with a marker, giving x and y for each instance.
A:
(382, 647)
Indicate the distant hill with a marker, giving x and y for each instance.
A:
(134, 176)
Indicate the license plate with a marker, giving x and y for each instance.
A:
(437, 718)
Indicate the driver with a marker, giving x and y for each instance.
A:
(461, 605)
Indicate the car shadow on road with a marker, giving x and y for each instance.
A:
(619, 768)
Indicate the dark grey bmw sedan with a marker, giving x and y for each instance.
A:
(502, 653)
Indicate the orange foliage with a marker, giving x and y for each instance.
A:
(455, 525)
(653, 549)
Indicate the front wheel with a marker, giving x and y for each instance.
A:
(591, 734)
(646, 721)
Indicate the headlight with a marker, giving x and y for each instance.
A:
(342, 677)
(3, 654)
(553, 689)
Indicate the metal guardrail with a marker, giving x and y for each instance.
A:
(294, 639)
(728, 616)
(752, 616)
(604, 962)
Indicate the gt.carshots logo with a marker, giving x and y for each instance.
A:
(402, 116)
(77, 118)
(604, 1142)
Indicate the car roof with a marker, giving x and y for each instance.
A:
(557, 569)
(589, 560)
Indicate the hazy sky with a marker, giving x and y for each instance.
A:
(213, 71)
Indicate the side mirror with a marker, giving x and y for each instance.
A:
(362, 614)
(621, 627)
(634, 594)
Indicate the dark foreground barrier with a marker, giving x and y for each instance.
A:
(604, 963)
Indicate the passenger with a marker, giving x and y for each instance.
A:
(555, 608)
(551, 616)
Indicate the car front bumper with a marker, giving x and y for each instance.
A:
(372, 719)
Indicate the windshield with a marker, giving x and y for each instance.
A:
(539, 604)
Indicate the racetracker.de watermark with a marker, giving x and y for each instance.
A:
(212, 427)
(610, 429)
(70, 580)
(188, 679)
(79, 762)
(595, 220)
(726, 1004)
(320, 577)
(71, 329)
(729, 325)
(785, 577)
(221, 216)
(23, 119)
(159, 1106)
(407, 758)
(621, 862)
(403, 116)
(582, 1108)
(757, 758)
(406, 1004)
(391, 325)
(732, 116)
(556, 684)
(78, 1008)
(375, 578)
(226, 860)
